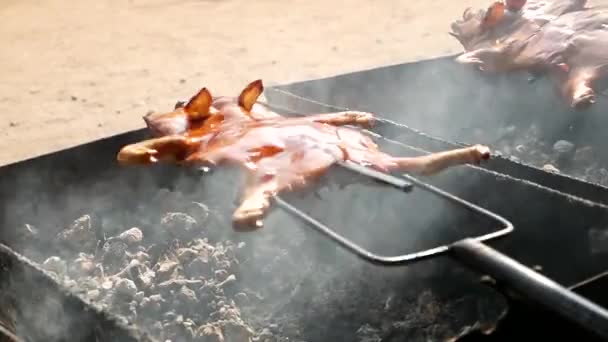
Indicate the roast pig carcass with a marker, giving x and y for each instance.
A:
(278, 153)
(563, 39)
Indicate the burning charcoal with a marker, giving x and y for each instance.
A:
(131, 236)
(189, 329)
(169, 316)
(143, 276)
(71, 284)
(210, 333)
(220, 261)
(128, 271)
(229, 313)
(241, 299)
(175, 284)
(80, 234)
(153, 303)
(187, 297)
(179, 225)
(157, 328)
(98, 271)
(132, 311)
(221, 275)
(207, 293)
(93, 295)
(84, 264)
(199, 268)
(114, 254)
(107, 284)
(165, 268)
(237, 332)
(139, 296)
(140, 256)
(203, 247)
(185, 255)
(55, 264)
(266, 336)
(125, 287)
(228, 283)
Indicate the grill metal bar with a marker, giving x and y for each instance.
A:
(480, 257)
(381, 177)
(535, 287)
(506, 226)
(471, 252)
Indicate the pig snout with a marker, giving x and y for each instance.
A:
(166, 124)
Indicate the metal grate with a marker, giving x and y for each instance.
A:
(471, 251)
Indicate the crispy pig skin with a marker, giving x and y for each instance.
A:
(560, 38)
(278, 153)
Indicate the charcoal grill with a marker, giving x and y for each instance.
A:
(62, 181)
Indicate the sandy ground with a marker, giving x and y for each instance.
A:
(74, 71)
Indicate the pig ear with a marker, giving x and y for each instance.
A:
(199, 104)
(250, 94)
(493, 15)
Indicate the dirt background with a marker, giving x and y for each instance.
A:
(75, 71)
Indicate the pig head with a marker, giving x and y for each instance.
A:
(193, 115)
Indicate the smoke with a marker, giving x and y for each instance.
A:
(302, 285)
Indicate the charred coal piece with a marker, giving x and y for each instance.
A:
(80, 235)
(130, 237)
(114, 255)
(179, 226)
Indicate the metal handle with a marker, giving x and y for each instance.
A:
(532, 285)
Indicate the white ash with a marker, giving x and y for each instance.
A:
(131, 236)
(80, 234)
(56, 265)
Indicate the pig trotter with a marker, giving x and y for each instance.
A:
(578, 90)
(248, 217)
(344, 118)
(583, 97)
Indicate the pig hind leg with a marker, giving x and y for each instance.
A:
(436, 162)
(285, 171)
(343, 118)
